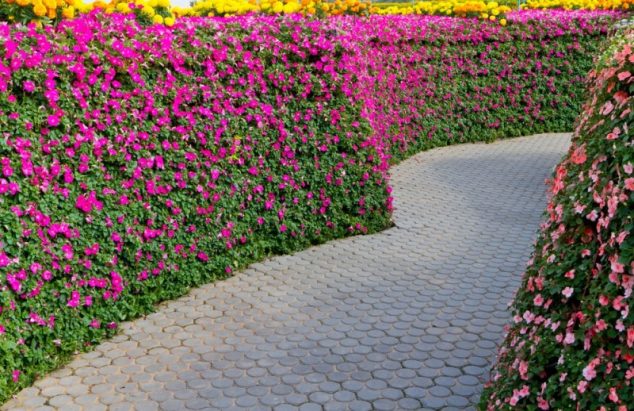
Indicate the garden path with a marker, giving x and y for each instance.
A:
(408, 318)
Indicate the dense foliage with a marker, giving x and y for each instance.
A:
(571, 345)
(138, 161)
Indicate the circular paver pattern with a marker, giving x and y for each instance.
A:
(408, 318)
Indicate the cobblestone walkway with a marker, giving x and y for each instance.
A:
(405, 319)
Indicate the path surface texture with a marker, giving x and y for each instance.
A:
(408, 318)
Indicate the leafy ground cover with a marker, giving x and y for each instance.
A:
(138, 161)
(571, 344)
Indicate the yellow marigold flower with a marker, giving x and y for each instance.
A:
(68, 12)
(290, 8)
(169, 21)
(39, 10)
(157, 19)
(148, 11)
(503, 22)
(23, 3)
(50, 4)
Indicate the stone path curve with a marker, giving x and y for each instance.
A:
(405, 319)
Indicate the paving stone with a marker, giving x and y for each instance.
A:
(360, 406)
(310, 407)
(409, 404)
(384, 405)
(405, 319)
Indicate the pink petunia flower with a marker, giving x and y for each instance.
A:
(29, 86)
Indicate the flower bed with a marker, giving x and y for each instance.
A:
(137, 162)
(162, 12)
(571, 345)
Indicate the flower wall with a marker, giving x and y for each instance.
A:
(571, 343)
(137, 162)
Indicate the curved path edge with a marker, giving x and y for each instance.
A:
(408, 318)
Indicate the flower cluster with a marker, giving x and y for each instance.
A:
(491, 10)
(579, 4)
(146, 11)
(138, 161)
(305, 7)
(36, 10)
(571, 343)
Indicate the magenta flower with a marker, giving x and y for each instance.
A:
(29, 86)
(4, 260)
(73, 302)
(88, 203)
(53, 121)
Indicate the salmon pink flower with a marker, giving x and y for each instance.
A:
(579, 155)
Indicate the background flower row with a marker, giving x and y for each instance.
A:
(161, 11)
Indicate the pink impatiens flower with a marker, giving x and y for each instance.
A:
(73, 302)
(538, 300)
(589, 373)
(87, 203)
(29, 86)
(53, 121)
(579, 155)
(4, 260)
(569, 339)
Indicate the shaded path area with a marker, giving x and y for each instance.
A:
(408, 318)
